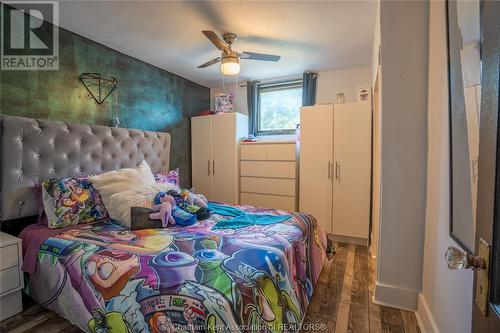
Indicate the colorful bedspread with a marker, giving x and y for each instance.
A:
(105, 278)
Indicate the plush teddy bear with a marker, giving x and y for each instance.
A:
(163, 210)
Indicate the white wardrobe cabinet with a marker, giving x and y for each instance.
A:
(316, 156)
(215, 155)
(335, 164)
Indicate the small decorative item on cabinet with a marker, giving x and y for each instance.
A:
(364, 94)
(224, 103)
(340, 98)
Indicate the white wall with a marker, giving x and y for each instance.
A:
(404, 53)
(329, 83)
(445, 303)
(342, 80)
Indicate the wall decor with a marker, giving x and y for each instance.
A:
(364, 94)
(340, 98)
(98, 85)
(224, 102)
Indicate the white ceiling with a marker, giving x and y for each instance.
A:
(309, 35)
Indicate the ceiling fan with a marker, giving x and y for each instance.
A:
(230, 60)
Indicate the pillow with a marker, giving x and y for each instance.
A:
(70, 201)
(117, 181)
(168, 177)
(121, 203)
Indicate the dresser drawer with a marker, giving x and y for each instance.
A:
(268, 185)
(9, 279)
(270, 169)
(281, 152)
(11, 304)
(253, 152)
(10, 256)
(268, 201)
(268, 152)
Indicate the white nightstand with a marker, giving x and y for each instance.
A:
(11, 275)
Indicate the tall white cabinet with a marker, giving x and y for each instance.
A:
(215, 155)
(335, 166)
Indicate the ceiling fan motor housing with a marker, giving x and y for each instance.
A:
(230, 56)
(229, 38)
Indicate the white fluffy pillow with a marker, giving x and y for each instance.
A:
(120, 203)
(116, 181)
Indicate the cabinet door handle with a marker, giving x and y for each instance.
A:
(213, 167)
(209, 167)
(338, 172)
(329, 170)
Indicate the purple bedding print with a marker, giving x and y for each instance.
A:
(105, 278)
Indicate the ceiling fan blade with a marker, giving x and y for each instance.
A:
(209, 63)
(259, 56)
(216, 40)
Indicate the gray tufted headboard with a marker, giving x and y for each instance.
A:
(36, 150)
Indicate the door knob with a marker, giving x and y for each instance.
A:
(458, 259)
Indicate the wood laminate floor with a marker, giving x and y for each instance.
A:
(341, 303)
(342, 300)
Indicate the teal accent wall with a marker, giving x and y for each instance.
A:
(149, 98)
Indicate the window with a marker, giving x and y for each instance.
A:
(279, 107)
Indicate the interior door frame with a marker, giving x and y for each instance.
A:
(488, 205)
(375, 167)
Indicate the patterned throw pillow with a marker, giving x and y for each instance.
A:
(169, 177)
(70, 201)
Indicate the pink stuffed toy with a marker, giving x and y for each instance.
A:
(163, 211)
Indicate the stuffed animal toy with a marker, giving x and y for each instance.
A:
(194, 199)
(182, 217)
(200, 200)
(163, 209)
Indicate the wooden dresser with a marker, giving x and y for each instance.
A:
(11, 277)
(269, 174)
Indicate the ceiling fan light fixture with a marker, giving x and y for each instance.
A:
(230, 60)
(230, 65)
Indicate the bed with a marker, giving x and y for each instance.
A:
(106, 278)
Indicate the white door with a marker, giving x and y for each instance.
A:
(201, 155)
(316, 147)
(224, 158)
(352, 154)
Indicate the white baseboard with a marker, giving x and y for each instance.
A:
(395, 297)
(420, 323)
(424, 316)
(349, 239)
